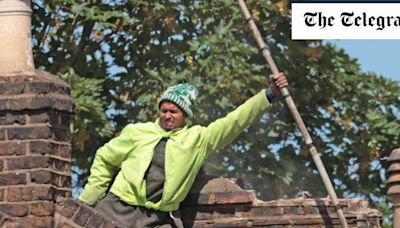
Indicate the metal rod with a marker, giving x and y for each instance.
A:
(296, 115)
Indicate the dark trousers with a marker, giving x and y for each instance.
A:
(133, 216)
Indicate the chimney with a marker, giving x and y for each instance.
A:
(394, 185)
(35, 111)
(15, 36)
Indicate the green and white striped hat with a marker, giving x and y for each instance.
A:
(184, 95)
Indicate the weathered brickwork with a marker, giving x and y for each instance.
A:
(35, 149)
(73, 213)
(393, 183)
(221, 203)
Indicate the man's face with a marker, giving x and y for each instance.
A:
(171, 116)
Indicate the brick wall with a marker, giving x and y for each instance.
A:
(222, 202)
(35, 149)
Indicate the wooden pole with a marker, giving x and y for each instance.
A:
(296, 115)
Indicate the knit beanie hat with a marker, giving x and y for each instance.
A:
(184, 95)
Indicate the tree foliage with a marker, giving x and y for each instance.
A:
(134, 50)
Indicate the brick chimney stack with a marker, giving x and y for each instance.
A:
(394, 185)
(35, 111)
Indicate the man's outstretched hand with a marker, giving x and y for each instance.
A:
(278, 82)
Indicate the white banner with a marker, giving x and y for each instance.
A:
(345, 21)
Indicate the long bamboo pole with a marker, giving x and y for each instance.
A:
(296, 115)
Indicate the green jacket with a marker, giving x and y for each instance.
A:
(185, 153)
